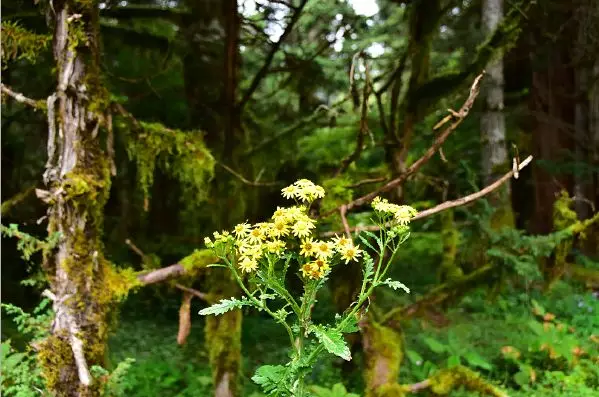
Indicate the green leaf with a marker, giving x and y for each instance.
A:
(375, 237)
(476, 360)
(414, 357)
(269, 377)
(434, 345)
(351, 326)
(396, 285)
(453, 361)
(368, 266)
(367, 243)
(332, 340)
(224, 306)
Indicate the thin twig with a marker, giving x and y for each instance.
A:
(367, 182)
(363, 130)
(458, 118)
(203, 296)
(264, 69)
(243, 179)
(135, 248)
(342, 211)
(17, 96)
(449, 204)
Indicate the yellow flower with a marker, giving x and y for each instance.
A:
(282, 215)
(208, 242)
(309, 269)
(278, 229)
(256, 235)
(290, 191)
(248, 265)
(307, 247)
(324, 249)
(275, 246)
(241, 230)
(351, 253)
(404, 213)
(251, 251)
(302, 228)
(341, 242)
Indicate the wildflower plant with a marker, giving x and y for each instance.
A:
(261, 256)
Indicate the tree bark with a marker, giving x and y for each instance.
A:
(211, 67)
(77, 176)
(494, 151)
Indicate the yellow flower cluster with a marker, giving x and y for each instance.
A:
(401, 213)
(321, 251)
(303, 190)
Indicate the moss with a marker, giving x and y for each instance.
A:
(383, 357)
(223, 333)
(182, 154)
(19, 43)
(446, 380)
(390, 390)
(450, 236)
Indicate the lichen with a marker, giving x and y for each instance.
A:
(450, 236)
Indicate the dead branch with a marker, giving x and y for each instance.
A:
(163, 274)
(458, 117)
(449, 204)
(367, 181)
(17, 96)
(184, 318)
(203, 296)
(10, 203)
(455, 377)
(342, 212)
(243, 179)
(264, 69)
(363, 130)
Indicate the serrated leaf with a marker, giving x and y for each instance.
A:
(396, 285)
(332, 340)
(224, 306)
(351, 326)
(368, 266)
(376, 238)
(270, 377)
(366, 243)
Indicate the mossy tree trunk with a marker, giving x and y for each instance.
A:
(77, 177)
(495, 160)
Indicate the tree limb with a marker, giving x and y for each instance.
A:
(243, 179)
(203, 296)
(458, 117)
(450, 204)
(17, 96)
(163, 274)
(264, 69)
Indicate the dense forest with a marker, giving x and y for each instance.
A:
(300, 198)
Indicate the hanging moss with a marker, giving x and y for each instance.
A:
(19, 43)
(182, 154)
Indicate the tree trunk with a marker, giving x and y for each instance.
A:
(494, 152)
(78, 179)
(210, 70)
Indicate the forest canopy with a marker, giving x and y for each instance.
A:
(300, 198)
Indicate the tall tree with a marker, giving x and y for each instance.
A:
(494, 150)
(77, 177)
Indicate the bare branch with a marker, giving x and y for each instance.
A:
(17, 96)
(163, 274)
(264, 69)
(458, 118)
(451, 204)
(342, 212)
(203, 296)
(184, 318)
(243, 179)
(363, 130)
(367, 181)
